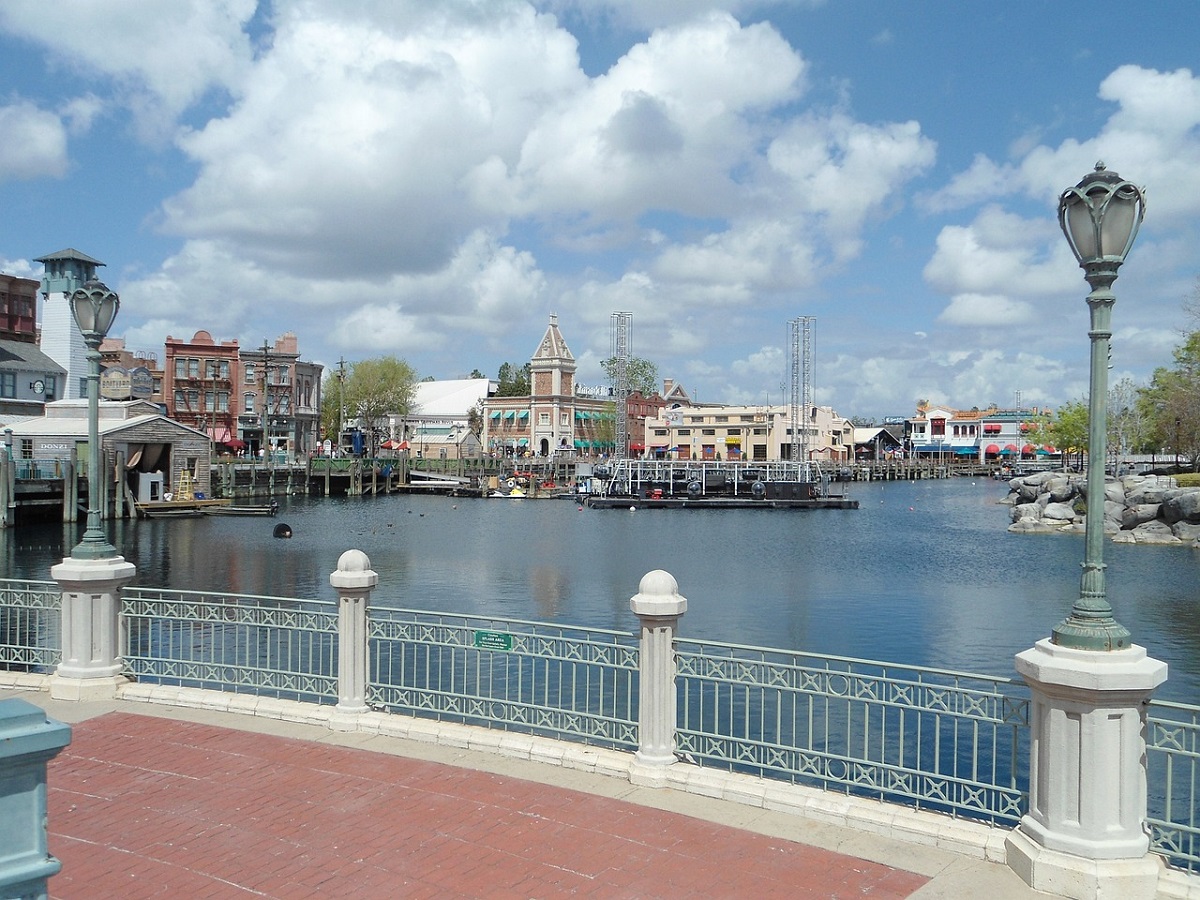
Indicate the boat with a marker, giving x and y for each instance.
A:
(263, 509)
(179, 509)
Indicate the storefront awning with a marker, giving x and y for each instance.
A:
(495, 414)
(991, 448)
(523, 414)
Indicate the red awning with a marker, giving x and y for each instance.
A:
(991, 448)
(1028, 448)
(1012, 447)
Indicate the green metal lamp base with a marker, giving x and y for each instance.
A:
(1090, 634)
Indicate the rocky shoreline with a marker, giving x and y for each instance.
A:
(1138, 509)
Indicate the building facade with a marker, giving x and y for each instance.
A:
(199, 384)
(279, 397)
(753, 433)
(991, 434)
(28, 377)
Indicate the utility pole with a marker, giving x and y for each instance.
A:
(341, 403)
(266, 419)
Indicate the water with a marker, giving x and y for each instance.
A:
(922, 573)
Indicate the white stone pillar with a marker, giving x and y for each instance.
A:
(658, 607)
(1084, 836)
(353, 580)
(91, 631)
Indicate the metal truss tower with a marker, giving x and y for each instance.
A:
(800, 330)
(622, 339)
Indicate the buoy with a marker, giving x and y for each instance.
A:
(632, 508)
(282, 530)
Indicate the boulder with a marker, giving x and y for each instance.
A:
(1134, 516)
(1182, 505)
(1154, 533)
(1026, 511)
(1059, 488)
(1113, 512)
(1186, 531)
(1062, 512)
(1031, 526)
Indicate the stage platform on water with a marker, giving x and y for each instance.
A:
(719, 503)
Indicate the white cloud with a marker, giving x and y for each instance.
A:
(163, 56)
(983, 310)
(34, 145)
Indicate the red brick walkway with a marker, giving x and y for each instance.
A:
(149, 807)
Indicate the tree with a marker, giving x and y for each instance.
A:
(475, 420)
(475, 373)
(333, 406)
(640, 374)
(1171, 404)
(513, 380)
(1128, 428)
(377, 388)
(1070, 429)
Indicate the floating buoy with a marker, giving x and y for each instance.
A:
(282, 530)
(633, 509)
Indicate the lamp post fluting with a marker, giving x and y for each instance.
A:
(1100, 217)
(94, 308)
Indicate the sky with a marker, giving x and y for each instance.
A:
(433, 181)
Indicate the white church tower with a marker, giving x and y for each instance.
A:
(66, 271)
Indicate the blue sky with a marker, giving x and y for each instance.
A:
(433, 180)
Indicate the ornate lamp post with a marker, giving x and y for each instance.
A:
(94, 307)
(1084, 834)
(92, 576)
(1100, 217)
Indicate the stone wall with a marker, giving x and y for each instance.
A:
(1141, 509)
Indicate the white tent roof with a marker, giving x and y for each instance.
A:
(448, 398)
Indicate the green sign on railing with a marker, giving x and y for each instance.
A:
(493, 640)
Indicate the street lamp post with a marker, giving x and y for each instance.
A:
(92, 576)
(1100, 217)
(1084, 834)
(94, 308)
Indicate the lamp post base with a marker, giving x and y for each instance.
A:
(1068, 875)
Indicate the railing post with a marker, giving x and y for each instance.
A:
(1084, 835)
(353, 580)
(658, 607)
(91, 627)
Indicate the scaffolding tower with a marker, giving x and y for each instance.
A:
(801, 395)
(622, 339)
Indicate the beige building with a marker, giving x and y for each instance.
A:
(752, 433)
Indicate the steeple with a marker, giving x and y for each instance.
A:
(552, 352)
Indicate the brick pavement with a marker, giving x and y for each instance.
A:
(151, 807)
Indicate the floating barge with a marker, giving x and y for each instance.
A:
(178, 509)
(707, 484)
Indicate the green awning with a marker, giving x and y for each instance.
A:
(509, 415)
(495, 414)
(522, 442)
(523, 414)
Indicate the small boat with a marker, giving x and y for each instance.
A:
(512, 494)
(179, 509)
(265, 509)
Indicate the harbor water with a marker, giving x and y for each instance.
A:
(923, 573)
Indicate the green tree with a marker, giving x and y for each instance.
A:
(332, 405)
(513, 380)
(1069, 429)
(377, 388)
(640, 374)
(1171, 403)
(475, 420)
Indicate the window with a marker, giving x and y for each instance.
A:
(248, 404)
(180, 367)
(543, 418)
(708, 431)
(685, 432)
(193, 368)
(51, 387)
(251, 375)
(722, 418)
(180, 400)
(564, 419)
(26, 448)
(660, 432)
(223, 401)
(8, 384)
(210, 401)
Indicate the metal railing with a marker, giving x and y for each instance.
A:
(928, 738)
(39, 469)
(537, 678)
(1173, 780)
(30, 625)
(274, 646)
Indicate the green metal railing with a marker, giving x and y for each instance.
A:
(929, 738)
(237, 642)
(1173, 779)
(30, 625)
(533, 677)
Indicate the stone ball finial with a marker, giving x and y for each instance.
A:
(658, 596)
(354, 572)
(354, 561)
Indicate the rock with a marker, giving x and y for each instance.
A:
(1124, 537)
(1186, 531)
(1154, 533)
(1031, 526)
(1114, 493)
(1113, 511)
(1060, 488)
(1182, 505)
(1062, 512)
(1026, 511)
(1138, 515)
